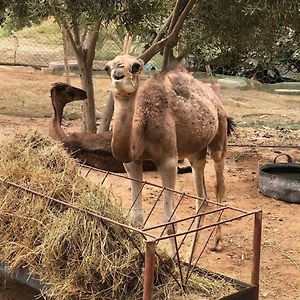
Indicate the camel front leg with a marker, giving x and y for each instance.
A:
(167, 169)
(135, 171)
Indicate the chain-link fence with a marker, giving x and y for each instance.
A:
(40, 45)
(248, 93)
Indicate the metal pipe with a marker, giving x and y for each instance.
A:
(80, 209)
(204, 227)
(185, 219)
(256, 248)
(149, 270)
(264, 146)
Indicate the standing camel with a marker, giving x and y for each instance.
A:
(169, 117)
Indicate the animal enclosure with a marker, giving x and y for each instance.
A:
(25, 104)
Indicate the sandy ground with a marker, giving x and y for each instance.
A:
(280, 260)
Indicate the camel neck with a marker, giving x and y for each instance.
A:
(55, 130)
(124, 136)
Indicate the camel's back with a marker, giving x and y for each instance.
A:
(176, 97)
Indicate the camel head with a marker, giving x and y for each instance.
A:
(65, 93)
(124, 71)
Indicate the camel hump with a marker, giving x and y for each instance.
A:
(180, 84)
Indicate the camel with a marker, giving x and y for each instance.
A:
(168, 117)
(89, 148)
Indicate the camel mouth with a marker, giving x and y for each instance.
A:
(118, 77)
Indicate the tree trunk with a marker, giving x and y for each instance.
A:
(107, 114)
(88, 107)
(66, 55)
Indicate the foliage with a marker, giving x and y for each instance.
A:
(17, 14)
(236, 32)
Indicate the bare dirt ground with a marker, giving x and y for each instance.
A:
(280, 260)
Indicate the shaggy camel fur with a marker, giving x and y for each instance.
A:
(169, 117)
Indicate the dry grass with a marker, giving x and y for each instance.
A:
(75, 255)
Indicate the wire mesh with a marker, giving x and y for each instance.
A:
(42, 44)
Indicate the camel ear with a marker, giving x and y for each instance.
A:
(107, 69)
(137, 67)
(141, 63)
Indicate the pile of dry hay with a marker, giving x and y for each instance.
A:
(74, 254)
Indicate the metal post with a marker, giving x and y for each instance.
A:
(256, 248)
(149, 269)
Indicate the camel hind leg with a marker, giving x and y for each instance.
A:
(219, 161)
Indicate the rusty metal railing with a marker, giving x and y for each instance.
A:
(154, 232)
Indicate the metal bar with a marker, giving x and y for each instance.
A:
(80, 209)
(185, 219)
(190, 271)
(137, 196)
(153, 206)
(171, 273)
(190, 226)
(256, 248)
(173, 213)
(204, 227)
(169, 189)
(265, 146)
(88, 172)
(133, 242)
(178, 259)
(104, 178)
(149, 270)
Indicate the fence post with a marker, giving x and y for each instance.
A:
(149, 270)
(256, 249)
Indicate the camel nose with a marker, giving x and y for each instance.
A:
(118, 74)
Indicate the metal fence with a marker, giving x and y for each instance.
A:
(40, 45)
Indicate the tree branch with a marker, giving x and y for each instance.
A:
(91, 46)
(172, 36)
(63, 24)
(168, 53)
(76, 32)
(163, 29)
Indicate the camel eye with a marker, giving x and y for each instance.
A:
(135, 68)
(107, 69)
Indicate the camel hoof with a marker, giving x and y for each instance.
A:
(217, 247)
(138, 220)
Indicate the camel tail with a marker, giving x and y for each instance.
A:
(230, 126)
